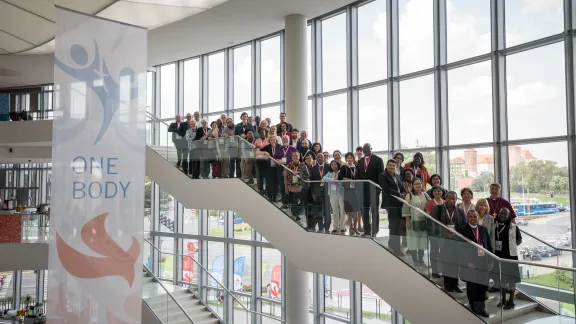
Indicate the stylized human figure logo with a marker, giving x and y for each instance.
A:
(97, 77)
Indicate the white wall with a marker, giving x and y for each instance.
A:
(351, 258)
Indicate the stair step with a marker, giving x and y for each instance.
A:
(522, 307)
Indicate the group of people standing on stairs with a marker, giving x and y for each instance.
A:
(490, 223)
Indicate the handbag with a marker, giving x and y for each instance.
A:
(295, 188)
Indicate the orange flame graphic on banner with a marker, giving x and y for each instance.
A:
(116, 262)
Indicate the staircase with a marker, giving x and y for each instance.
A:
(167, 311)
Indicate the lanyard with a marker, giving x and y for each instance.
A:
(476, 234)
(496, 208)
(422, 207)
(466, 210)
(450, 217)
(353, 172)
(243, 128)
(307, 171)
(273, 150)
(366, 162)
(285, 150)
(500, 231)
(321, 168)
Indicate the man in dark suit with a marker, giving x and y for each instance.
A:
(391, 184)
(321, 214)
(369, 168)
(474, 263)
(202, 135)
(283, 120)
(452, 217)
(176, 138)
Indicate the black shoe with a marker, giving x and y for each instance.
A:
(493, 289)
(284, 207)
(365, 235)
(482, 313)
(509, 305)
(447, 289)
(501, 303)
(457, 290)
(399, 253)
(435, 275)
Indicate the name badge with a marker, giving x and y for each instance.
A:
(498, 246)
(283, 160)
(251, 154)
(333, 187)
(205, 142)
(481, 253)
(221, 141)
(231, 139)
(321, 184)
(451, 226)
(352, 185)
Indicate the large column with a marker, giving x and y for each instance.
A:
(296, 81)
(296, 286)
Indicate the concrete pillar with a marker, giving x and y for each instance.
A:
(296, 81)
(296, 286)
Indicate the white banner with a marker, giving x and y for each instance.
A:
(98, 157)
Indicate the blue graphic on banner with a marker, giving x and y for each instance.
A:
(4, 107)
(218, 270)
(238, 272)
(239, 266)
(97, 77)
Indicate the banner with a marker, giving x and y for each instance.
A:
(238, 272)
(217, 270)
(98, 155)
(188, 263)
(275, 278)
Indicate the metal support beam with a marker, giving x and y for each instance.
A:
(393, 86)
(441, 88)
(16, 289)
(40, 278)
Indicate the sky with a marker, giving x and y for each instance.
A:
(535, 78)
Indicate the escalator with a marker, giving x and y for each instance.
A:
(406, 284)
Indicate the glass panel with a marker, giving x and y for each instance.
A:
(468, 28)
(417, 125)
(374, 309)
(335, 114)
(470, 104)
(191, 86)
(243, 76)
(242, 229)
(536, 95)
(416, 35)
(167, 216)
(149, 92)
(216, 222)
(471, 168)
(271, 112)
(166, 260)
(309, 56)
(373, 111)
(539, 188)
(168, 90)
(530, 20)
(372, 53)
(334, 61)
(336, 296)
(191, 220)
(216, 82)
(270, 70)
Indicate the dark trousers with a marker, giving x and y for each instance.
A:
(450, 283)
(371, 203)
(285, 198)
(262, 173)
(476, 294)
(272, 183)
(394, 217)
(235, 167)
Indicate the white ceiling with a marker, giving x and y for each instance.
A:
(202, 31)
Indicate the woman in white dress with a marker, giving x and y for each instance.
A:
(416, 222)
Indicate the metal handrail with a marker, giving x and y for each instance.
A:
(546, 243)
(434, 220)
(223, 287)
(486, 251)
(169, 294)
